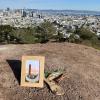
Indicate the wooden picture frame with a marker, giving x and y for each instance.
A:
(32, 71)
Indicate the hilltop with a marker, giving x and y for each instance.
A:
(81, 65)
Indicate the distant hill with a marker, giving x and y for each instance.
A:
(67, 12)
(72, 12)
(63, 12)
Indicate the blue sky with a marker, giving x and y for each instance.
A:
(52, 4)
(34, 64)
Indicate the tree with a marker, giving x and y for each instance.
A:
(45, 31)
(24, 35)
(84, 33)
(5, 28)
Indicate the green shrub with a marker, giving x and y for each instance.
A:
(44, 32)
(25, 35)
(85, 34)
(74, 38)
(5, 28)
(5, 34)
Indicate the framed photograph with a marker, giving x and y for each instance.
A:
(32, 71)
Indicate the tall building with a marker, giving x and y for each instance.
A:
(24, 13)
(8, 9)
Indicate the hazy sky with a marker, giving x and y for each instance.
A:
(52, 4)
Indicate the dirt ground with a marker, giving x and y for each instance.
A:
(81, 65)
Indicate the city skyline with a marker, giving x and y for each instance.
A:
(92, 5)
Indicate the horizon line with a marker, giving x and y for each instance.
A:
(51, 9)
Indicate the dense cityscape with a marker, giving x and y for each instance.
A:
(24, 18)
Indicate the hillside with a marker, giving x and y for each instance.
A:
(81, 65)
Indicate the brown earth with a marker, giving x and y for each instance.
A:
(81, 65)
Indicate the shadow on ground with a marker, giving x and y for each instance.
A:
(16, 68)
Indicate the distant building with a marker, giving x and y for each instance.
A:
(24, 14)
(8, 9)
(31, 14)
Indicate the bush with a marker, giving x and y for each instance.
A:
(5, 34)
(5, 28)
(95, 41)
(41, 33)
(74, 38)
(44, 32)
(8, 38)
(25, 35)
(85, 34)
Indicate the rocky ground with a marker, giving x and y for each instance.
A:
(81, 65)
